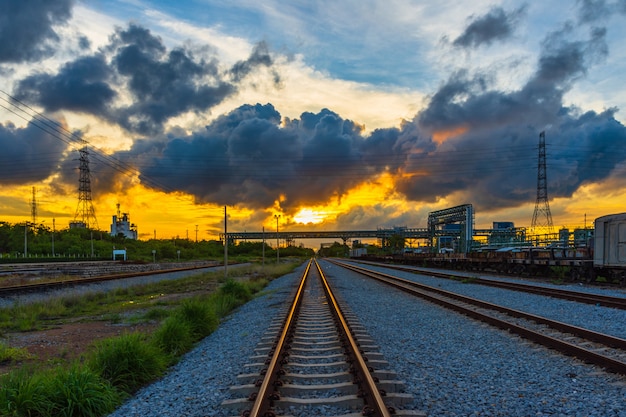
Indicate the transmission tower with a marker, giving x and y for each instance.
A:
(542, 218)
(85, 213)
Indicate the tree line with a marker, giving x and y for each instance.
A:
(26, 243)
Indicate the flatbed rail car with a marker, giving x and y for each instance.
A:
(569, 264)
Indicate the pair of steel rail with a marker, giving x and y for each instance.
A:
(374, 405)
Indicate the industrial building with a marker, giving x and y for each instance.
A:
(121, 225)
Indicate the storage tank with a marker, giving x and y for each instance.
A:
(610, 241)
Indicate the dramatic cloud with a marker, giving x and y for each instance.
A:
(248, 158)
(471, 143)
(162, 83)
(27, 28)
(28, 154)
(496, 25)
(80, 86)
(490, 158)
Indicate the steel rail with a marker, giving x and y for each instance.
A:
(560, 345)
(595, 299)
(262, 403)
(42, 286)
(377, 405)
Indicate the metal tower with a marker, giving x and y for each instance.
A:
(85, 213)
(542, 218)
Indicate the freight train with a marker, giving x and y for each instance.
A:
(601, 259)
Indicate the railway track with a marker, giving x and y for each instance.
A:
(595, 299)
(12, 290)
(592, 347)
(317, 360)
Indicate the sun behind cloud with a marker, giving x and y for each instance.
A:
(309, 216)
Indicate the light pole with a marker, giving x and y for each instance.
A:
(277, 216)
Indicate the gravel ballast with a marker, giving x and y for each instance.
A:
(452, 365)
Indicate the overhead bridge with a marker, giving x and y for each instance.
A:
(462, 215)
(344, 235)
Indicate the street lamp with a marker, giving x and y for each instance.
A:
(277, 216)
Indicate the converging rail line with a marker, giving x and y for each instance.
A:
(32, 287)
(600, 349)
(581, 297)
(317, 357)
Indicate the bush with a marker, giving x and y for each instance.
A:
(224, 304)
(240, 291)
(174, 336)
(200, 317)
(79, 392)
(22, 394)
(128, 361)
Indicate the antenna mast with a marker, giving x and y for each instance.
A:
(542, 218)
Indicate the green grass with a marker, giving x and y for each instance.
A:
(174, 337)
(9, 354)
(128, 361)
(199, 315)
(118, 367)
(79, 392)
(23, 394)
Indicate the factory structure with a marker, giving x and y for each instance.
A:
(121, 225)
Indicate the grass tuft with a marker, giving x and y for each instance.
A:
(174, 337)
(200, 315)
(79, 392)
(237, 289)
(128, 361)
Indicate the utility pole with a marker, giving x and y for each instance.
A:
(225, 243)
(197, 230)
(277, 216)
(33, 209)
(53, 227)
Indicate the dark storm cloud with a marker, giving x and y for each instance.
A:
(253, 158)
(81, 86)
(247, 157)
(28, 154)
(163, 83)
(27, 28)
(491, 158)
(496, 25)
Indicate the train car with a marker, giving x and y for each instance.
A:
(601, 258)
(609, 259)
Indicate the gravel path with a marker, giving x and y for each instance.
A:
(452, 365)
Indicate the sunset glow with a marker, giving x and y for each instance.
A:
(308, 216)
(185, 113)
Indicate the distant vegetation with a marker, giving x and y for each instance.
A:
(19, 243)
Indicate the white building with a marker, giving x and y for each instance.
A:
(121, 225)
